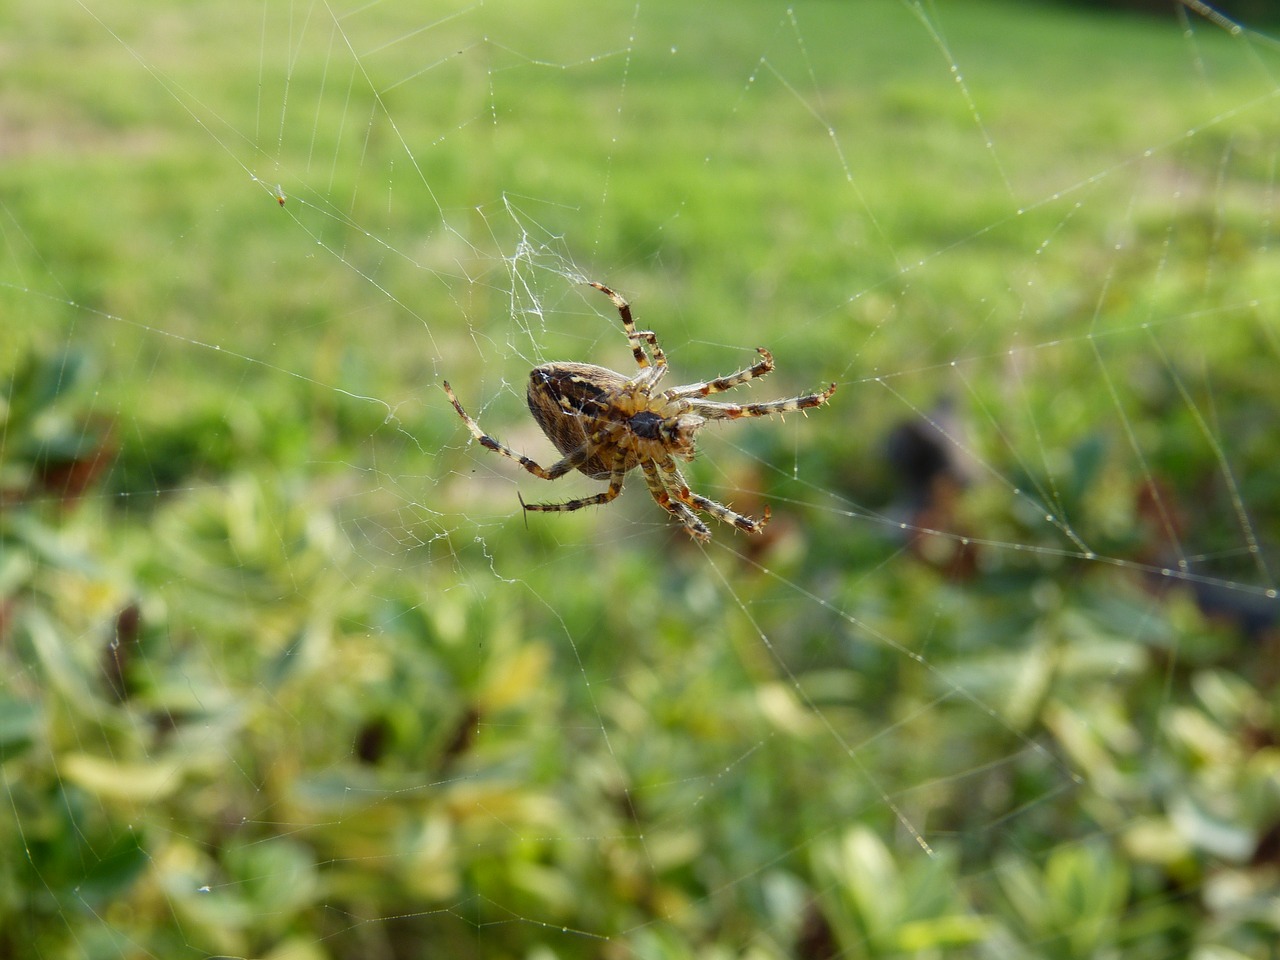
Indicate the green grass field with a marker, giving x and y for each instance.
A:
(284, 672)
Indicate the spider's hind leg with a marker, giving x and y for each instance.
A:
(615, 487)
(572, 462)
(629, 327)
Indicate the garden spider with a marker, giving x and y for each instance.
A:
(606, 424)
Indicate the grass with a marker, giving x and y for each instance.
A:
(284, 673)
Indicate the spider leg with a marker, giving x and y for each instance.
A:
(725, 515)
(724, 383)
(673, 480)
(616, 477)
(557, 470)
(634, 335)
(677, 508)
(732, 411)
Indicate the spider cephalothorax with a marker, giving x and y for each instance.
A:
(605, 424)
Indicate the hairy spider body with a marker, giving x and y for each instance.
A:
(573, 401)
(606, 424)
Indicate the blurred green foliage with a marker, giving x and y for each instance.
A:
(282, 678)
(1250, 14)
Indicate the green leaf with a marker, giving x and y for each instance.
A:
(115, 871)
(139, 782)
(19, 720)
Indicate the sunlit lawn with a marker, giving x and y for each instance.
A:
(293, 664)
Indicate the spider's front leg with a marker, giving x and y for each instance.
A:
(725, 515)
(725, 383)
(673, 494)
(677, 508)
(712, 410)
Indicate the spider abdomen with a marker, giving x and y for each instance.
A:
(570, 401)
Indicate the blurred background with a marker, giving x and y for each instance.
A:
(286, 673)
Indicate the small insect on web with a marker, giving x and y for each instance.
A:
(606, 424)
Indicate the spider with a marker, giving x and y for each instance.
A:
(606, 424)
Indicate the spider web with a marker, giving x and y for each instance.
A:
(289, 673)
